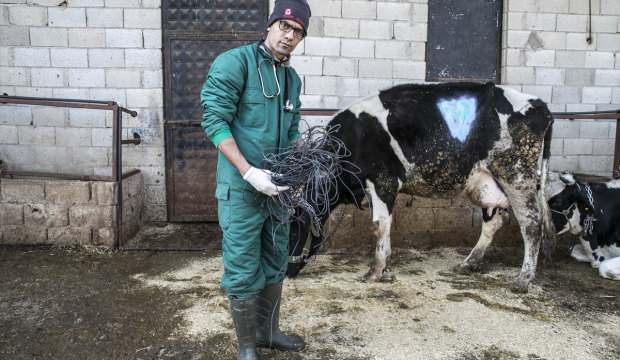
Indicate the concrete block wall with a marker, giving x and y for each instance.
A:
(67, 212)
(96, 49)
(546, 54)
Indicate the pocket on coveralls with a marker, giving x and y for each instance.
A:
(222, 194)
(252, 108)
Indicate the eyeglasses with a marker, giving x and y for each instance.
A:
(286, 27)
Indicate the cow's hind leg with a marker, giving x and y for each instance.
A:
(528, 212)
(382, 220)
(492, 220)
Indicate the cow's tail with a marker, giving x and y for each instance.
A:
(548, 233)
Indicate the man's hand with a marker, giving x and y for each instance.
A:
(261, 180)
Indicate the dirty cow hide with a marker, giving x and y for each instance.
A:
(436, 141)
(592, 212)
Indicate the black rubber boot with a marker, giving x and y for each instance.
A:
(268, 332)
(244, 316)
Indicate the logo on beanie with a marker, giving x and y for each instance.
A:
(287, 12)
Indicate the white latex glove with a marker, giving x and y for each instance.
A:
(261, 180)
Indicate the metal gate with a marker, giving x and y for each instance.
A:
(194, 33)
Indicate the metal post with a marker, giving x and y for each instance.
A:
(616, 172)
(117, 173)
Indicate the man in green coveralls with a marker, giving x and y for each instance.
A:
(251, 108)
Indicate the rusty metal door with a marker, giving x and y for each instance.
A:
(195, 32)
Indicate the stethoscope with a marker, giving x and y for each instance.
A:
(288, 106)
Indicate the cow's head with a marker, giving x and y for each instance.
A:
(570, 206)
(300, 252)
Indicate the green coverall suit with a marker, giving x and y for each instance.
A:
(255, 244)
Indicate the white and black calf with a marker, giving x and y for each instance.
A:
(436, 140)
(592, 212)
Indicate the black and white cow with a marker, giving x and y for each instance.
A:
(592, 212)
(436, 140)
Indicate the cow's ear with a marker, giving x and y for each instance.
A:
(567, 178)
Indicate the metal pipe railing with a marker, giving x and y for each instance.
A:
(117, 141)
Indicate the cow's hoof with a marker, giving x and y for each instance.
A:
(466, 268)
(520, 287)
(372, 276)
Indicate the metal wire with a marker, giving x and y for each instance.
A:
(313, 170)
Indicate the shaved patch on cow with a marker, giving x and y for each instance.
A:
(458, 114)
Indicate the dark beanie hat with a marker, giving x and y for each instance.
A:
(296, 10)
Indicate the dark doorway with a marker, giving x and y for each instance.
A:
(194, 33)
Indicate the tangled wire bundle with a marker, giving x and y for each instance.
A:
(312, 170)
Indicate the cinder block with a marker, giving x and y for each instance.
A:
(579, 77)
(322, 46)
(570, 59)
(121, 78)
(36, 135)
(91, 216)
(86, 118)
(540, 58)
(13, 76)
(607, 77)
(394, 11)
(69, 235)
(542, 91)
(8, 134)
(67, 192)
(33, 91)
(144, 98)
(315, 29)
(105, 18)
(577, 41)
(152, 39)
(142, 18)
(595, 164)
(102, 137)
(565, 129)
(409, 70)
(580, 107)
(6, 58)
(599, 60)
(615, 97)
(308, 65)
(410, 31)
(372, 86)
(594, 129)
(14, 36)
(47, 77)
(420, 12)
(70, 93)
(566, 95)
(545, 76)
(564, 163)
(538, 21)
(371, 68)
(359, 9)
(85, 3)
(133, 188)
(11, 214)
(610, 7)
(105, 193)
(144, 156)
(4, 15)
(601, 24)
(31, 57)
(557, 146)
(519, 75)
(123, 38)
(596, 95)
(577, 146)
(340, 67)
(69, 58)
(153, 79)
(24, 235)
(15, 115)
(393, 50)
(517, 39)
(572, 23)
(151, 3)
(46, 215)
(413, 218)
(66, 17)
(582, 7)
(92, 156)
(603, 147)
(143, 58)
(28, 15)
(372, 29)
(87, 38)
(86, 77)
(553, 40)
(22, 191)
(46, 36)
(103, 237)
(106, 58)
(357, 48)
(332, 8)
(73, 137)
(453, 218)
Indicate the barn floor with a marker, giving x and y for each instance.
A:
(76, 304)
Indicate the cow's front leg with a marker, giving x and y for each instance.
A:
(492, 220)
(382, 220)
